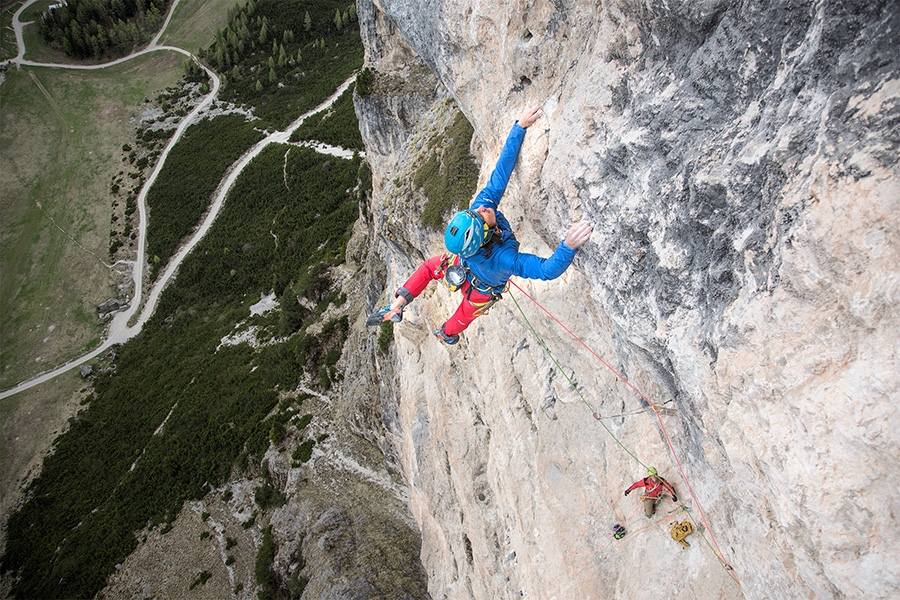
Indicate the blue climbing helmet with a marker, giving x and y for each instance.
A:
(466, 233)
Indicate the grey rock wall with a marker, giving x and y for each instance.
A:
(739, 162)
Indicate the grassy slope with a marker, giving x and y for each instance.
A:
(61, 159)
(194, 24)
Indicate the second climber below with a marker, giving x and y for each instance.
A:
(483, 253)
(654, 486)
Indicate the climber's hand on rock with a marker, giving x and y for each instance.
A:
(578, 234)
(529, 116)
(627, 492)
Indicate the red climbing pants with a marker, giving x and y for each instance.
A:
(473, 304)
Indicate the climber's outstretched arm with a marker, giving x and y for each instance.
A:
(492, 193)
(531, 266)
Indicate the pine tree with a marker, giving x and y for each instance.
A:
(307, 22)
(219, 56)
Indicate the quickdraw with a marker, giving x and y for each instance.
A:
(598, 416)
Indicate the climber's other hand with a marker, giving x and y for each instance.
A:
(578, 234)
(529, 116)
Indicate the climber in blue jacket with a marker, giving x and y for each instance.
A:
(483, 251)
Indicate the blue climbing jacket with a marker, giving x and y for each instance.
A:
(496, 262)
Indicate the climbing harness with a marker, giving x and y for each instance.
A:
(456, 274)
(495, 294)
(484, 288)
(680, 531)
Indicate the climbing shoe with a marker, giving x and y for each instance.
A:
(444, 338)
(385, 314)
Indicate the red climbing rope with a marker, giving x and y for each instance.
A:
(684, 477)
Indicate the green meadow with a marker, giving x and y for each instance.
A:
(194, 24)
(63, 132)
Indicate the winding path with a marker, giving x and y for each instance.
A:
(119, 329)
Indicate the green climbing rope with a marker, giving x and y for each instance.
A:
(569, 379)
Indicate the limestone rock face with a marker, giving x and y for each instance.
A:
(739, 164)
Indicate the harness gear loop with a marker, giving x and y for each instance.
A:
(485, 288)
(680, 531)
(495, 294)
